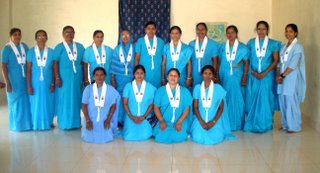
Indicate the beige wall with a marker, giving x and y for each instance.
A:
(242, 13)
(84, 15)
(305, 15)
(4, 32)
(4, 20)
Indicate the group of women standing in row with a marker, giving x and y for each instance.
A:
(134, 83)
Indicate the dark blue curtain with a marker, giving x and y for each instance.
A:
(134, 14)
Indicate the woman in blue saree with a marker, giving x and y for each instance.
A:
(177, 55)
(97, 55)
(68, 72)
(172, 104)
(205, 52)
(260, 96)
(137, 100)
(40, 82)
(233, 72)
(122, 66)
(211, 125)
(13, 58)
(148, 52)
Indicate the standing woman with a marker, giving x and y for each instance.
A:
(205, 52)
(177, 55)
(149, 54)
(211, 125)
(138, 104)
(264, 56)
(41, 82)
(97, 55)
(99, 109)
(122, 66)
(233, 57)
(67, 67)
(13, 58)
(291, 78)
(172, 106)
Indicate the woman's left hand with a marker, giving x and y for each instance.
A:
(163, 82)
(136, 119)
(178, 126)
(107, 124)
(86, 83)
(163, 125)
(58, 82)
(113, 83)
(203, 125)
(140, 119)
(244, 81)
(255, 74)
(51, 88)
(279, 79)
(30, 91)
(189, 82)
(89, 125)
(216, 79)
(211, 124)
(261, 75)
(2, 85)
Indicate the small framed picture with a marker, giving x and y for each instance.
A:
(217, 31)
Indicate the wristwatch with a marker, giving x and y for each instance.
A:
(282, 76)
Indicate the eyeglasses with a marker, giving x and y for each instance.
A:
(41, 37)
(125, 35)
(68, 32)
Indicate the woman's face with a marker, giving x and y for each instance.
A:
(98, 38)
(68, 34)
(41, 38)
(201, 31)
(231, 34)
(99, 76)
(139, 75)
(150, 30)
(262, 30)
(290, 34)
(16, 37)
(207, 75)
(173, 77)
(125, 37)
(175, 35)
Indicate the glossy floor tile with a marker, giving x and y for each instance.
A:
(57, 151)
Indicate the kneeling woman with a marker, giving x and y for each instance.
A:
(138, 103)
(99, 109)
(172, 106)
(212, 123)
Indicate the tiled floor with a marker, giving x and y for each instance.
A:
(58, 151)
